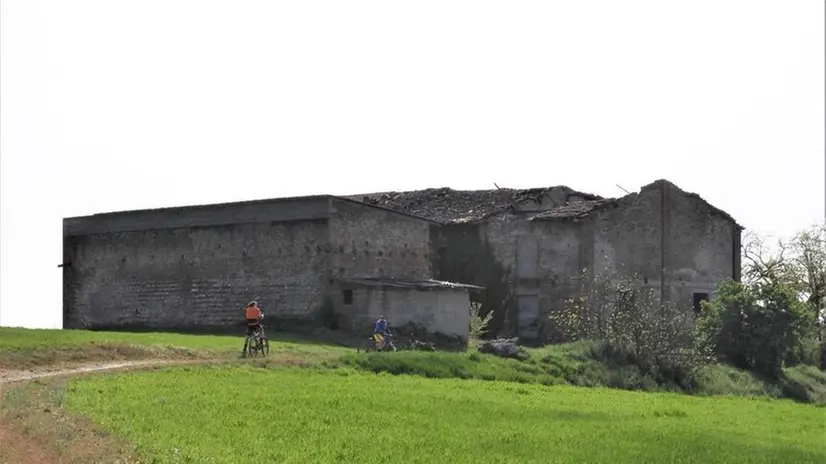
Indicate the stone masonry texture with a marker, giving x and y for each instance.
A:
(124, 272)
(195, 267)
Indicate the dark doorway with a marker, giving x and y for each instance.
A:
(698, 299)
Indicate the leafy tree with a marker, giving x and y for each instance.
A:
(798, 264)
(755, 326)
(809, 278)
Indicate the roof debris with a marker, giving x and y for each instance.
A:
(574, 210)
(450, 206)
(425, 284)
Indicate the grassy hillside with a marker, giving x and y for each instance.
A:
(25, 348)
(335, 405)
(244, 414)
(578, 365)
(572, 364)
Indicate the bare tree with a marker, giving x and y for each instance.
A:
(761, 263)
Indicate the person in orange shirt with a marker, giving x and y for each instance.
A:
(254, 316)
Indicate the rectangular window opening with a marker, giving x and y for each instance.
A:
(698, 299)
(348, 296)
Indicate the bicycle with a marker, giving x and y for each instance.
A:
(379, 342)
(257, 342)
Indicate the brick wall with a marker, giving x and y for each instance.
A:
(190, 278)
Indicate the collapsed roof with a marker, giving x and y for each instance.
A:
(451, 206)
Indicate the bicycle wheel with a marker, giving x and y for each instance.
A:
(247, 342)
(265, 347)
(253, 347)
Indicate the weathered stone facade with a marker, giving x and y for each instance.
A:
(194, 268)
(184, 268)
(529, 248)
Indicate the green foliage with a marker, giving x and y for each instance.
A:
(624, 315)
(270, 415)
(443, 365)
(757, 327)
(478, 324)
(586, 365)
(798, 264)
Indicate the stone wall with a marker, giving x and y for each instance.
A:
(564, 251)
(190, 268)
(627, 237)
(371, 242)
(194, 268)
(467, 253)
(674, 239)
(194, 278)
(701, 247)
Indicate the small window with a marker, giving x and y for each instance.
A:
(348, 297)
(698, 299)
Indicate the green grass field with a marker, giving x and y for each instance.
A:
(317, 402)
(551, 365)
(23, 348)
(246, 414)
(18, 339)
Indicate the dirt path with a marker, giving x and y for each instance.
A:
(20, 449)
(19, 376)
(16, 447)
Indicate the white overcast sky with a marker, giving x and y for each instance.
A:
(116, 105)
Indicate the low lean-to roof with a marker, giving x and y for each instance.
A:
(426, 284)
(450, 206)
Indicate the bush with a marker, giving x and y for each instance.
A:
(625, 316)
(478, 324)
(759, 327)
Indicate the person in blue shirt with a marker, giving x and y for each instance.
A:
(381, 326)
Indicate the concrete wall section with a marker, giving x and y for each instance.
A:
(372, 242)
(437, 310)
(195, 277)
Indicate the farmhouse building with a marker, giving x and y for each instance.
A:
(529, 248)
(306, 260)
(417, 256)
